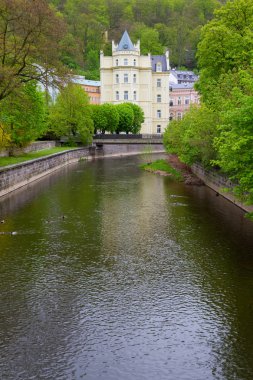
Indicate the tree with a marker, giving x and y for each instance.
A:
(138, 118)
(29, 36)
(126, 117)
(192, 137)
(105, 117)
(23, 116)
(71, 115)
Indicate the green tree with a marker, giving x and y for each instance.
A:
(23, 115)
(126, 117)
(30, 32)
(71, 115)
(192, 137)
(138, 118)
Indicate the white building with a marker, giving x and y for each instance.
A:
(128, 76)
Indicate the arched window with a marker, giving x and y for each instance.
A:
(159, 98)
(171, 116)
(117, 95)
(158, 128)
(117, 62)
(134, 62)
(135, 96)
(159, 114)
(134, 78)
(117, 78)
(158, 67)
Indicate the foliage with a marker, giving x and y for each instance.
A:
(192, 137)
(105, 117)
(126, 117)
(220, 131)
(29, 35)
(71, 115)
(159, 24)
(23, 115)
(138, 118)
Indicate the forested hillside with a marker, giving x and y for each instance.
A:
(91, 25)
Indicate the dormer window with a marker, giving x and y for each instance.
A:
(158, 67)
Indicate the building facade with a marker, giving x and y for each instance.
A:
(91, 87)
(128, 76)
(181, 98)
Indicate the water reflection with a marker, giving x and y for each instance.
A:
(119, 274)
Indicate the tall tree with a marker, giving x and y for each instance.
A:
(71, 115)
(29, 36)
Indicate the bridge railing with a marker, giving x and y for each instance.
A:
(115, 136)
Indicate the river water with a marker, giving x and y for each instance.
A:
(118, 274)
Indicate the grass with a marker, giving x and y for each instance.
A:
(5, 161)
(164, 166)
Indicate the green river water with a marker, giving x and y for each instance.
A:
(114, 273)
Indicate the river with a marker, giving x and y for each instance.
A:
(114, 273)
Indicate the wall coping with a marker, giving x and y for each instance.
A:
(30, 162)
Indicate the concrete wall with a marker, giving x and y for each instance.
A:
(14, 176)
(219, 183)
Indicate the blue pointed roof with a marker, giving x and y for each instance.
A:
(125, 43)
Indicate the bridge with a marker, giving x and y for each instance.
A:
(127, 139)
(124, 144)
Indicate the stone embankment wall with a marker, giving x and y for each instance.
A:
(14, 176)
(220, 184)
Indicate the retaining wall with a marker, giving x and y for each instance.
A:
(14, 176)
(219, 183)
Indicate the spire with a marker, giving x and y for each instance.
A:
(125, 43)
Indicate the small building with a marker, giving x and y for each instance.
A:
(91, 87)
(128, 76)
(182, 95)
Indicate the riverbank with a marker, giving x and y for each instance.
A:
(15, 176)
(221, 185)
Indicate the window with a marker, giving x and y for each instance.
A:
(125, 78)
(159, 98)
(117, 62)
(125, 95)
(134, 62)
(179, 101)
(117, 95)
(171, 116)
(187, 101)
(117, 78)
(135, 95)
(125, 61)
(158, 83)
(134, 78)
(158, 128)
(159, 114)
(179, 116)
(158, 67)
(171, 103)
